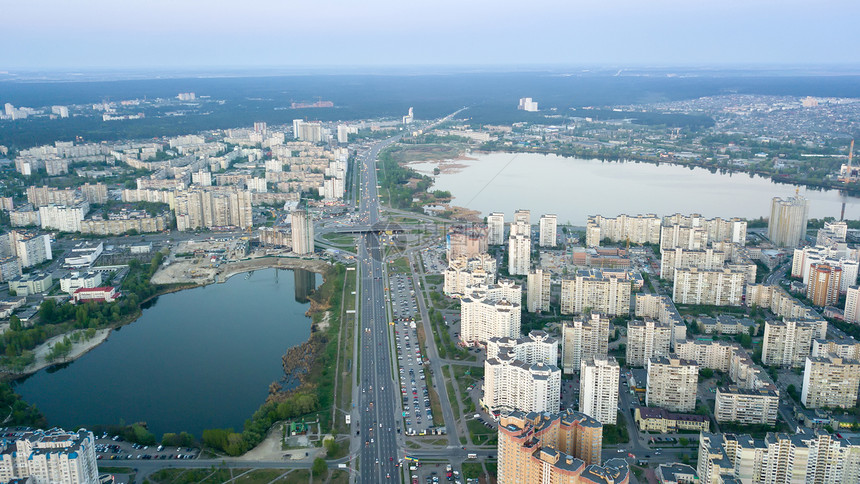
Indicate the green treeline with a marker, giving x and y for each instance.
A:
(394, 180)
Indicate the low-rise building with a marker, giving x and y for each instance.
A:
(32, 283)
(95, 294)
(76, 280)
(661, 420)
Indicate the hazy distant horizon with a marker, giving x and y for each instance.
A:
(56, 34)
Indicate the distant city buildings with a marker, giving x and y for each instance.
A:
(787, 224)
(527, 104)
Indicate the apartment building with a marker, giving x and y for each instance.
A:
(806, 457)
(536, 347)
(732, 230)
(746, 406)
(832, 233)
(468, 271)
(789, 342)
(830, 381)
(62, 217)
(824, 283)
(31, 283)
(847, 348)
(302, 230)
(209, 208)
(548, 227)
(10, 267)
(45, 195)
(663, 310)
(780, 303)
(572, 439)
(513, 384)
(598, 388)
(717, 287)
(490, 311)
(496, 228)
(466, 241)
(716, 355)
(538, 294)
(583, 338)
(49, 456)
(679, 258)
(519, 254)
(639, 229)
(646, 339)
(600, 291)
(672, 383)
(31, 249)
(836, 256)
(787, 224)
(852, 305)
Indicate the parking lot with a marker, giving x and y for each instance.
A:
(417, 416)
(114, 448)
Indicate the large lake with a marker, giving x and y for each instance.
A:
(575, 188)
(196, 359)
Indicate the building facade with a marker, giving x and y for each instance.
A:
(830, 381)
(672, 384)
(548, 227)
(538, 292)
(583, 338)
(647, 339)
(598, 388)
(600, 291)
(787, 224)
(51, 456)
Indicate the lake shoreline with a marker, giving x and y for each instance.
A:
(227, 271)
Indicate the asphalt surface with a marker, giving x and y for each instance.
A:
(378, 404)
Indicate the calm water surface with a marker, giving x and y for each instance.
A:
(575, 188)
(196, 359)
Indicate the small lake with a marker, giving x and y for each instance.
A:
(575, 188)
(195, 359)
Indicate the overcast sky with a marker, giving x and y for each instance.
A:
(63, 34)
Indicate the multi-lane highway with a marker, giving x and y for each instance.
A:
(378, 403)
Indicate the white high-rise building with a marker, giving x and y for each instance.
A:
(50, 456)
(789, 342)
(830, 381)
(496, 226)
(716, 287)
(302, 232)
(787, 224)
(32, 250)
(840, 256)
(598, 388)
(519, 254)
(63, 218)
(512, 384)
(672, 384)
(536, 347)
(463, 272)
(805, 457)
(490, 311)
(600, 291)
(548, 227)
(584, 338)
(527, 104)
(852, 304)
(647, 339)
(538, 291)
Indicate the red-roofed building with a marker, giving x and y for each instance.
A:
(97, 294)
